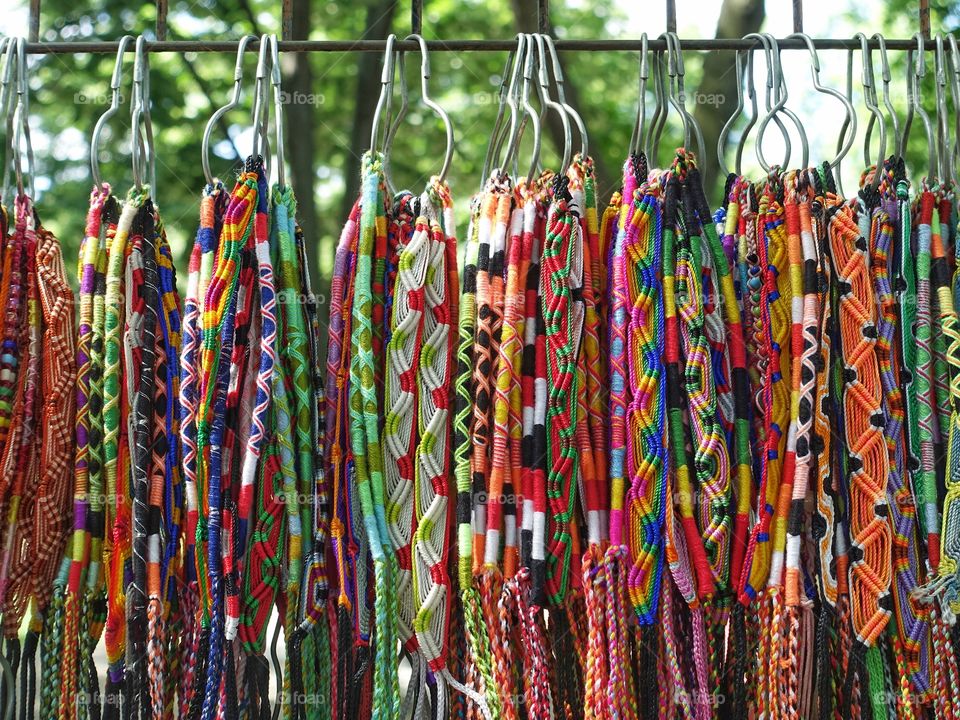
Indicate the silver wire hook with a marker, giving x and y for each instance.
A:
(944, 160)
(143, 151)
(738, 60)
(744, 57)
(7, 47)
(394, 124)
(777, 91)
(955, 94)
(870, 100)
(915, 74)
(384, 102)
(234, 102)
(505, 101)
(22, 121)
(513, 148)
(562, 97)
(638, 137)
(784, 94)
(886, 78)
(426, 100)
(773, 101)
(548, 103)
(517, 117)
(851, 114)
(115, 99)
(386, 92)
(261, 110)
(660, 110)
(674, 85)
(530, 112)
(7, 107)
(276, 78)
(689, 120)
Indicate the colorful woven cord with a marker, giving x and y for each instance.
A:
(870, 532)
(650, 462)
(646, 455)
(37, 454)
(480, 661)
(561, 288)
(365, 437)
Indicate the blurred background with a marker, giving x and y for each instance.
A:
(332, 96)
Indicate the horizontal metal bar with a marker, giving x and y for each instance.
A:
(193, 46)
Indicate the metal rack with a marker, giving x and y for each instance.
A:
(287, 44)
(299, 46)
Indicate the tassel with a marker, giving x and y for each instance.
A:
(824, 663)
(28, 676)
(596, 675)
(479, 645)
(155, 655)
(737, 683)
(200, 679)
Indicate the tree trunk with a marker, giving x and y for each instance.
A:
(299, 117)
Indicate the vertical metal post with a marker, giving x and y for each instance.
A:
(162, 7)
(671, 16)
(34, 24)
(925, 18)
(416, 17)
(286, 20)
(798, 16)
(543, 17)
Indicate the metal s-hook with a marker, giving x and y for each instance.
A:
(741, 58)
(870, 100)
(529, 113)
(784, 93)
(394, 125)
(386, 93)
(738, 61)
(944, 159)
(261, 109)
(660, 110)
(115, 99)
(851, 115)
(561, 96)
(771, 103)
(777, 87)
(426, 99)
(21, 120)
(7, 107)
(143, 151)
(689, 120)
(275, 79)
(955, 94)
(518, 117)
(915, 74)
(886, 77)
(675, 78)
(638, 137)
(9, 49)
(673, 91)
(505, 100)
(234, 102)
(548, 103)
